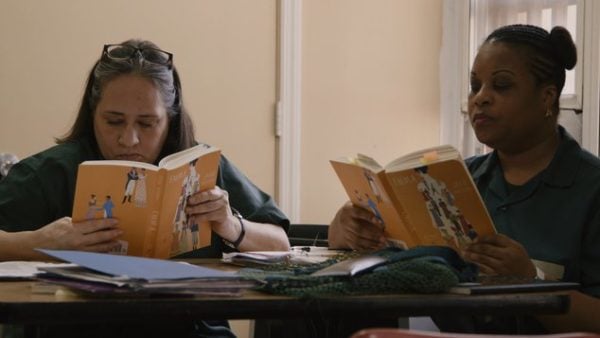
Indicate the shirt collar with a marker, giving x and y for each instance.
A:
(486, 167)
(560, 172)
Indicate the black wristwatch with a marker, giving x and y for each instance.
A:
(235, 244)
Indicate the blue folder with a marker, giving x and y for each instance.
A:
(131, 267)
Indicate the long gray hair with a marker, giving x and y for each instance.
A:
(145, 59)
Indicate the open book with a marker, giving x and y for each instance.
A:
(149, 201)
(424, 198)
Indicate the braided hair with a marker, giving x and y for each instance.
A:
(548, 54)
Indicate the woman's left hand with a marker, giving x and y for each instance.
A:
(213, 206)
(500, 255)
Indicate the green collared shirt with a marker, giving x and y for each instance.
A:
(40, 189)
(556, 215)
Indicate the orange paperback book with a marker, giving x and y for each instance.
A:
(149, 201)
(424, 198)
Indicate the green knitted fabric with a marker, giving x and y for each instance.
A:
(417, 275)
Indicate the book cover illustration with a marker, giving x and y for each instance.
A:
(177, 232)
(445, 215)
(440, 203)
(423, 198)
(186, 232)
(135, 186)
(122, 192)
(149, 203)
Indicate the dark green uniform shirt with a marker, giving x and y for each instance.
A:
(40, 189)
(556, 215)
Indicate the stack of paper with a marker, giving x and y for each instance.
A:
(16, 270)
(257, 257)
(106, 273)
(305, 255)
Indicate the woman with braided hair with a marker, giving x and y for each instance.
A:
(540, 187)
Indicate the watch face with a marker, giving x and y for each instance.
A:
(6, 162)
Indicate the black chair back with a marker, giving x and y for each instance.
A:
(308, 235)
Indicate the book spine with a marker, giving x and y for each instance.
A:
(164, 236)
(404, 224)
(151, 233)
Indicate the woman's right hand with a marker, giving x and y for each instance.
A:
(97, 235)
(355, 228)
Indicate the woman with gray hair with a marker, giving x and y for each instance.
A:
(132, 109)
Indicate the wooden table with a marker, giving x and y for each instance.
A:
(19, 305)
(22, 304)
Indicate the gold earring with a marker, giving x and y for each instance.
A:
(548, 113)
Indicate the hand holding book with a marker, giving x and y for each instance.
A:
(359, 229)
(150, 201)
(424, 198)
(97, 235)
(498, 254)
(212, 207)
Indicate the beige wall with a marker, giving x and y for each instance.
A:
(225, 52)
(370, 84)
(370, 76)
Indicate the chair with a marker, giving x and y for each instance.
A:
(308, 235)
(403, 333)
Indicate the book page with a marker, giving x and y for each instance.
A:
(368, 163)
(122, 163)
(423, 157)
(185, 156)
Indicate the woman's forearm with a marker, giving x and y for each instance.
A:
(263, 237)
(18, 246)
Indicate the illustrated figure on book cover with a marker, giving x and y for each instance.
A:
(108, 207)
(374, 188)
(376, 191)
(184, 229)
(132, 177)
(93, 208)
(445, 216)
